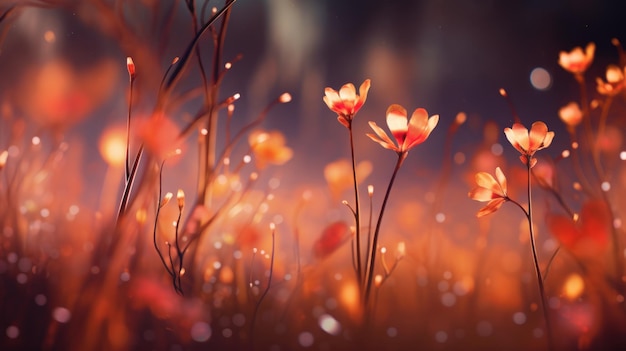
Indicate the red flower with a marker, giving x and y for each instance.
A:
(586, 235)
(331, 239)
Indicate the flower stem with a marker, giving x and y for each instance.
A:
(529, 216)
(372, 258)
(359, 269)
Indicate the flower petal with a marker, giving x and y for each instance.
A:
(481, 194)
(536, 136)
(383, 139)
(491, 207)
(363, 90)
(413, 140)
(518, 137)
(487, 181)
(397, 122)
(348, 95)
(501, 180)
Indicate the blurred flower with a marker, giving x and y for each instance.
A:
(159, 135)
(333, 236)
(614, 81)
(408, 133)
(577, 61)
(490, 189)
(338, 175)
(345, 102)
(527, 143)
(57, 95)
(571, 114)
(269, 148)
(588, 235)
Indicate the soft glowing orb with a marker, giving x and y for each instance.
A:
(329, 324)
(574, 286)
(61, 315)
(49, 37)
(540, 79)
(201, 332)
(113, 147)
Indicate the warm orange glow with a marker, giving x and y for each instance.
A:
(571, 114)
(349, 298)
(49, 37)
(573, 287)
(113, 146)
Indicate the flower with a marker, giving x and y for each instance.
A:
(490, 189)
(577, 61)
(345, 102)
(408, 133)
(269, 148)
(527, 143)
(586, 235)
(571, 114)
(614, 81)
(333, 236)
(338, 175)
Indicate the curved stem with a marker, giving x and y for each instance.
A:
(372, 260)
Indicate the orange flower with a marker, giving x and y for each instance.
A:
(588, 235)
(614, 81)
(345, 102)
(490, 189)
(408, 133)
(269, 147)
(527, 143)
(338, 175)
(571, 114)
(577, 61)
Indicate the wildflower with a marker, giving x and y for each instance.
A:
(577, 61)
(333, 236)
(345, 102)
(490, 189)
(338, 175)
(269, 147)
(571, 114)
(527, 143)
(614, 81)
(586, 235)
(408, 133)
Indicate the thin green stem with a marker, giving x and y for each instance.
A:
(372, 260)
